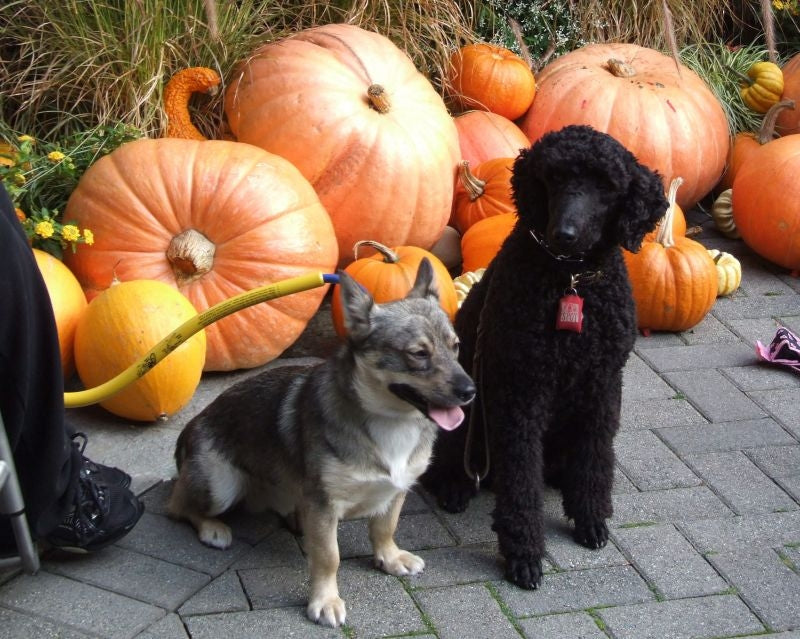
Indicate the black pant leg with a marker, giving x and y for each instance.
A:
(31, 384)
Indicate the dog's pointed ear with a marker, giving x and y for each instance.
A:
(425, 283)
(643, 206)
(357, 305)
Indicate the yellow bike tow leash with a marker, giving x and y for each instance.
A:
(189, 328)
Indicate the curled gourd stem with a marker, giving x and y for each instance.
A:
(389, 256)
(473, 185)
(176, 100)
(378, 98)
(664, 235)
(767, 130)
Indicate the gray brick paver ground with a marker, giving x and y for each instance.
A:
(696, 618)
(765, 583)
(668, 561)
(699, 356)
(777, 461)
(740, 483)
(756, 378)
(677, 504)
(575, 625)
(726, 403)
(15, 625)
(687, 440)
(649, 463)
(288, 623)
(656, 413)
(169, 627)
(746, 531)
(224, 594)
(463, 611)
(577, 590)
(79, 606)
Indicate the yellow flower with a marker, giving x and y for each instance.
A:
(44, 229)
(25, 138)
(70, 233)
(19, 179)
(55, 156)
(88, 236)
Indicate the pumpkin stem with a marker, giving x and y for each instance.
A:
(378, 98)
(472, 184)
(664, 235)
(767, 130)
(191, 255)
(176, 100)
(620, 69)
(389, 256)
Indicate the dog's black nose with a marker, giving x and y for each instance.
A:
(565, 236)
(465, 391)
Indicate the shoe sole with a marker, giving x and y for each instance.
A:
(90, 548)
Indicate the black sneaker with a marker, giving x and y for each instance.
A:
(109, 475)
(102, 514)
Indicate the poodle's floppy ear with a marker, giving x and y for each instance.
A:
(643, 206)
(528, 191)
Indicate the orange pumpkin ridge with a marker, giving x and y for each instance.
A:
(789, 120)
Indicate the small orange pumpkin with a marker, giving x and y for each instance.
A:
(482, 192)
(483, 239)
(484, 136)
(120, 326)
(674, 280)
(69, 303)
(491, 78)
(176, 100)
(389, 274)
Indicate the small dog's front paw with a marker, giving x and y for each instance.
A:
(592, 534)
(400, 563)
(525, 572)
(212, 532)
(327, 611)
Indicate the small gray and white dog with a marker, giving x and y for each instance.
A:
(345, 438)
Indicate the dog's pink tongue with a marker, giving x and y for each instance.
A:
(447, 418)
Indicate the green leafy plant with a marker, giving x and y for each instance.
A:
(40, 176)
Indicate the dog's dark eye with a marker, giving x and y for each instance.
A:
(419, 353)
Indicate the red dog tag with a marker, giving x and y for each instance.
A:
(570, 313)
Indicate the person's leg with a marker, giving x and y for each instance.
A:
(56, 480)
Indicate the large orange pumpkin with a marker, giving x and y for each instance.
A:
(119, 327)
(482, 192)
(212, 218)
(389, 274)
(483, 239)
(491, 78)
(669, 119)
(766, 201)
(484, 136)
(789, 120)
(745, 142)
(68, 302)
(674, 280)
(352, 113)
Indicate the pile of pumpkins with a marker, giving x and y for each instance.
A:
(336, 138)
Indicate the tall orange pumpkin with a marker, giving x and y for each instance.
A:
(766, 201)
(674, 280)
(482, 192)
(213, 219)
(68, 302)
(484, 136)
(491, 78)
(350, 110)
(389, 274)
(789, 120)
(670, 120)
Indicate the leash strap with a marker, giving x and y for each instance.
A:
(477, 375)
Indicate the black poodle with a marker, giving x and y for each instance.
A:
(550, 372)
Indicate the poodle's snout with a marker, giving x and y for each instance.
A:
(564, 237)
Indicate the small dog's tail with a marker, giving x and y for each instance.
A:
(180, 449)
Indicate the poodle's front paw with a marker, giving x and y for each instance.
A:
(454, 496)
(525, 572)
(592, 534)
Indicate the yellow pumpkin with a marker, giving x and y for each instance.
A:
(729, 272)
(120, 326)
(762, 87)
(69, 303)
(465, 282)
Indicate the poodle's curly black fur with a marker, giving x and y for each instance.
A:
(549, 398)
